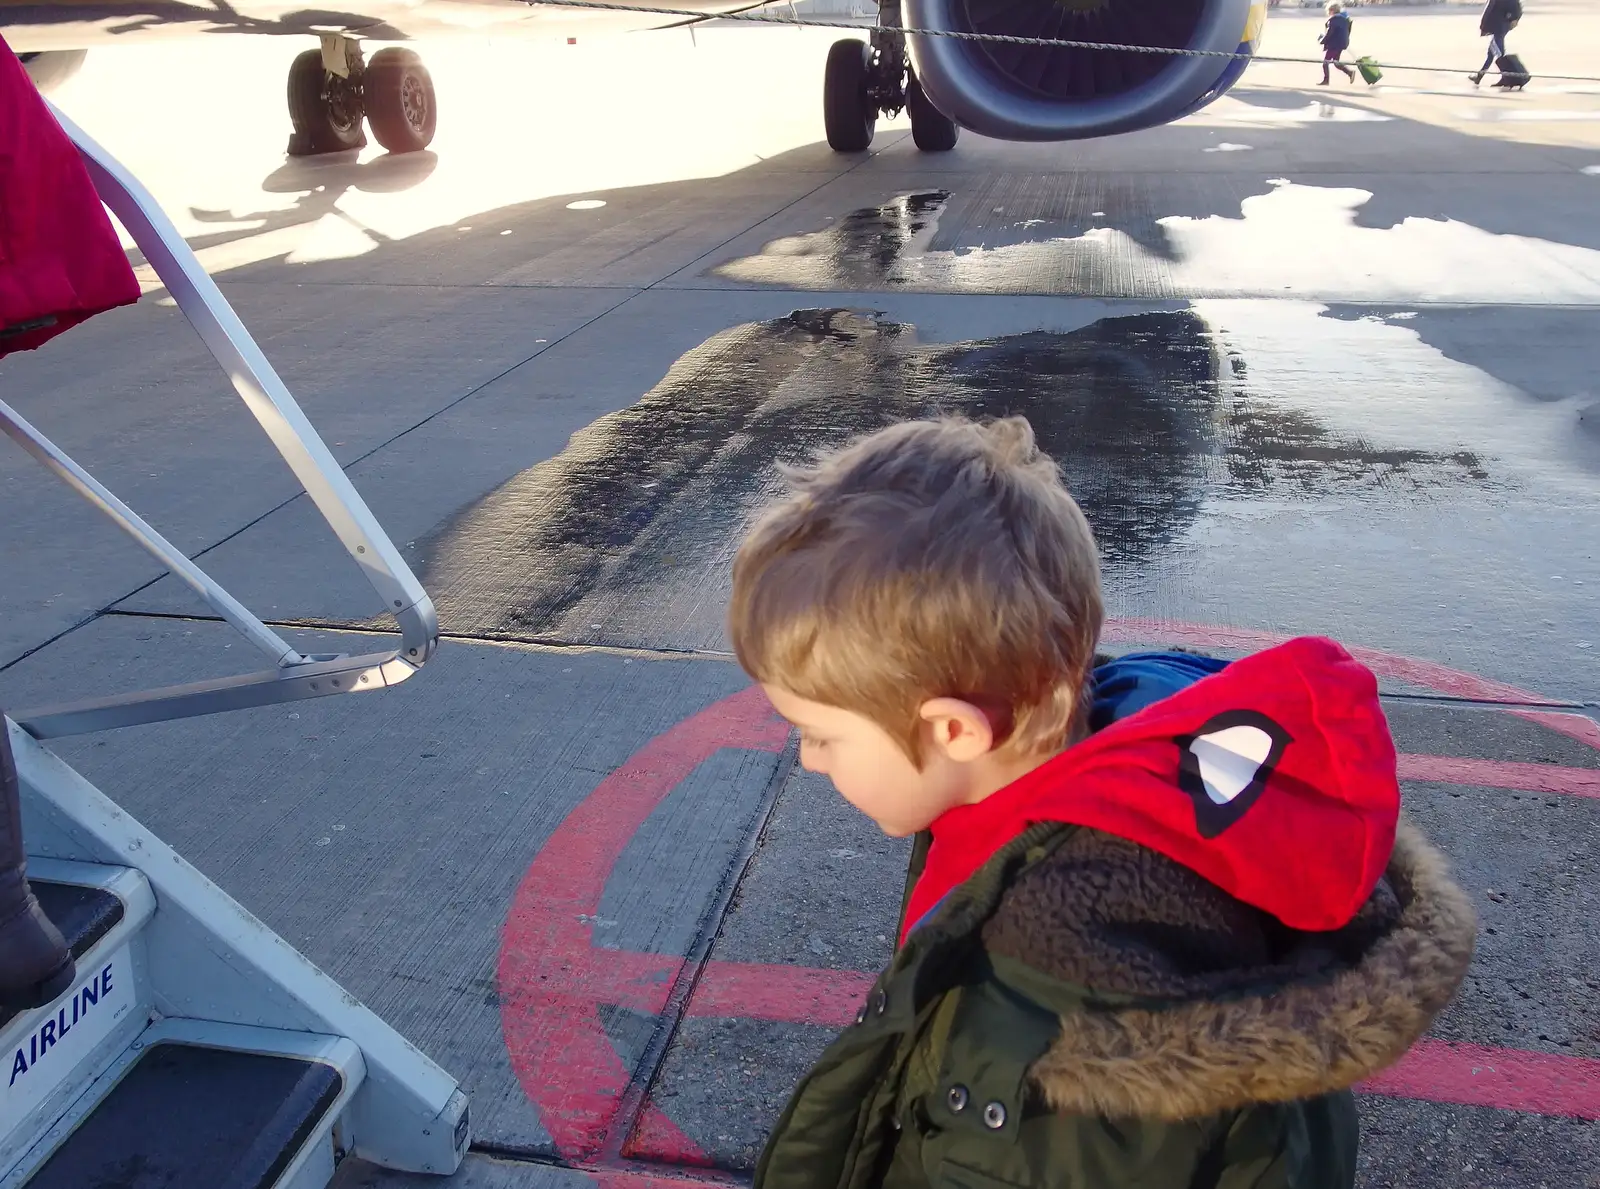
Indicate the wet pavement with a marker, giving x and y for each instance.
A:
(1312, 361)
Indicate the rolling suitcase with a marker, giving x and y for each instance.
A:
(1369, 69)
(1512, 74)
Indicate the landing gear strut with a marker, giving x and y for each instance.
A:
(332, 89)
(864, 80)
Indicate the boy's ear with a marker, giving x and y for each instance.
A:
(959, 729)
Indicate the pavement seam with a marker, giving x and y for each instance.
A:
(656, 652)
(632, 292)
(345, 467)
(1442, 701)
(636, 1095)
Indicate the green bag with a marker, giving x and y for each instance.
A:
(1369, 69)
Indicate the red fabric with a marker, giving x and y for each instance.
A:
(1306, 842)
(60, 260)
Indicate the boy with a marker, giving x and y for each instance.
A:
(1335, 40)
(1161, 912)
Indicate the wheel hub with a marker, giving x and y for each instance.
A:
(343, 101)
(414, 101)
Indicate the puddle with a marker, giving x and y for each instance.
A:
(1153, 417)
(1292, 240)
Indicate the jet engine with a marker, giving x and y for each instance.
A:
(1013, 91)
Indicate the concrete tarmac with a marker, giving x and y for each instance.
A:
(1314, 360)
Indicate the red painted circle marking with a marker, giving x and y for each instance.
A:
(553, 981)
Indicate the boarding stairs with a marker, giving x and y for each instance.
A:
(187, 1046)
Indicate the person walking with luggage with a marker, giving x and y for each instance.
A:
(1335, 40)
(1499, 18)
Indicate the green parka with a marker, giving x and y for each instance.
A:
(1215, 1052)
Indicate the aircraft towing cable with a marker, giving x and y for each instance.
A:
(795, 21)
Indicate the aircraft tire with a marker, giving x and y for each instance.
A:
(848, 113)
(401, 109)
(931, 129)
(325, 111)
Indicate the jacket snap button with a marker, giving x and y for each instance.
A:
(862, 1014)
(957, 1098)
(994, 1116)
(880, 1003)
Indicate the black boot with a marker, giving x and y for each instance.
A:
(35, 964)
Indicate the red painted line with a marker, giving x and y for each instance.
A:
(796, 994)
(657, 1138)
(551, 979)
(1573, 726)
(1508, 1079)
(631, 1178)
(1502, 774)
(1433, 1071)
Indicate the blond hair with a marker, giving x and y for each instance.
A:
(930, 559)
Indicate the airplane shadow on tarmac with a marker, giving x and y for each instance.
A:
(1157, 411)
(1150, 413)
(1097, 192)
(320, 182)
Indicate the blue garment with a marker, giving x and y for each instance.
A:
(1129, 683)
(1336, 35)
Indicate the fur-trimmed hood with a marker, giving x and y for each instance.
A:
(1179, 1001)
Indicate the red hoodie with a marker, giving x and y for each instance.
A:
(1274, 779)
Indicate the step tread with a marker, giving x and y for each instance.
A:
(192, 1117)
(83, 914)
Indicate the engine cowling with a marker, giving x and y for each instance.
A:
(1030, 92)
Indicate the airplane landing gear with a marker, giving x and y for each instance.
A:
(325, 108)
(401, 110)
(931, 129)
(333, 89)
(850, 103)
(863, 80)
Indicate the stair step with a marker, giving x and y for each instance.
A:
(83, 914)
(186, 1116)
(49, 1054)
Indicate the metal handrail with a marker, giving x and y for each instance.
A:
(296, 676)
